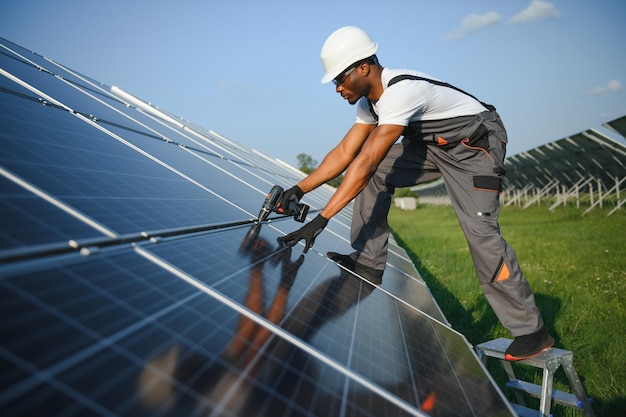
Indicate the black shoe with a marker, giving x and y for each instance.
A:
(375, 276)
(529, 346)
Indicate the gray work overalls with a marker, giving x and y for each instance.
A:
(468, 152)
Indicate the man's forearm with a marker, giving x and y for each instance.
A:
(338, 159)
(315, 179)
(363, 167)
(333, 164)
(353, 183)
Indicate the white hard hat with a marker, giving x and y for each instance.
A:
(344, 47)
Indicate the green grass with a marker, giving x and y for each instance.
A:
(576, 267)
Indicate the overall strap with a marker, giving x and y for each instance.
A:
(418, 78)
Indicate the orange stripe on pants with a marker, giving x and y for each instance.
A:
(504, 273)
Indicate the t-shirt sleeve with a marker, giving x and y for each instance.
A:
(363, 113)
(398, 106)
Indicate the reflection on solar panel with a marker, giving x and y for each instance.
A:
(135, 280)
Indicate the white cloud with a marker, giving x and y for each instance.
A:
(611, 87)
(473, 22)
(536, 10)
(614, 85)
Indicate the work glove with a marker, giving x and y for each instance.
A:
(291, 197)
(308, 232)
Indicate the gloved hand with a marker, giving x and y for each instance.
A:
(308, 232)
(294, 194)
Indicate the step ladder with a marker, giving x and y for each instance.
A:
(549, 360)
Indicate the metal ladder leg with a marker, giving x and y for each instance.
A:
(546, 387)
(577, 386)
(510, 374)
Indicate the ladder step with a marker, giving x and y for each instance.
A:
(534, 390)
(496, 348)
(522, 411)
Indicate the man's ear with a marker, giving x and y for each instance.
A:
(365, 69)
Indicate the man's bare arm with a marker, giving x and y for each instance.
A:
(338, 159)
(363, 167)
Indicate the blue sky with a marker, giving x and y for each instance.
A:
(250, 70)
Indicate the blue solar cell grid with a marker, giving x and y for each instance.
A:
(135, 280)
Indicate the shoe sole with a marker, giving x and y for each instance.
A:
(511, 358)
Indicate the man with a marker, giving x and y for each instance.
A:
(446, 133)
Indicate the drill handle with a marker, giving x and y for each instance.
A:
(269, 205)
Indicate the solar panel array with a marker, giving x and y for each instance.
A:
(588, 154)
(135, 280)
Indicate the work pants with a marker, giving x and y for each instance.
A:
(472, 172)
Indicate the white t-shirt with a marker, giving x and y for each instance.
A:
(413, 100)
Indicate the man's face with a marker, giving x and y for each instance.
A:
(346, 85)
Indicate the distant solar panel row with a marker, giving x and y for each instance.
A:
(588, 154)
(135, 280)
(618, 125)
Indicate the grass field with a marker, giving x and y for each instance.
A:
(577, 269)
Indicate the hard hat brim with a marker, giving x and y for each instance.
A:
(356, 57)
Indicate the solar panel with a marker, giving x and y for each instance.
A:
(135, 280)
(618, 125)
(588, 154)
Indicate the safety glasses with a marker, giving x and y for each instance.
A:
(342, 77)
